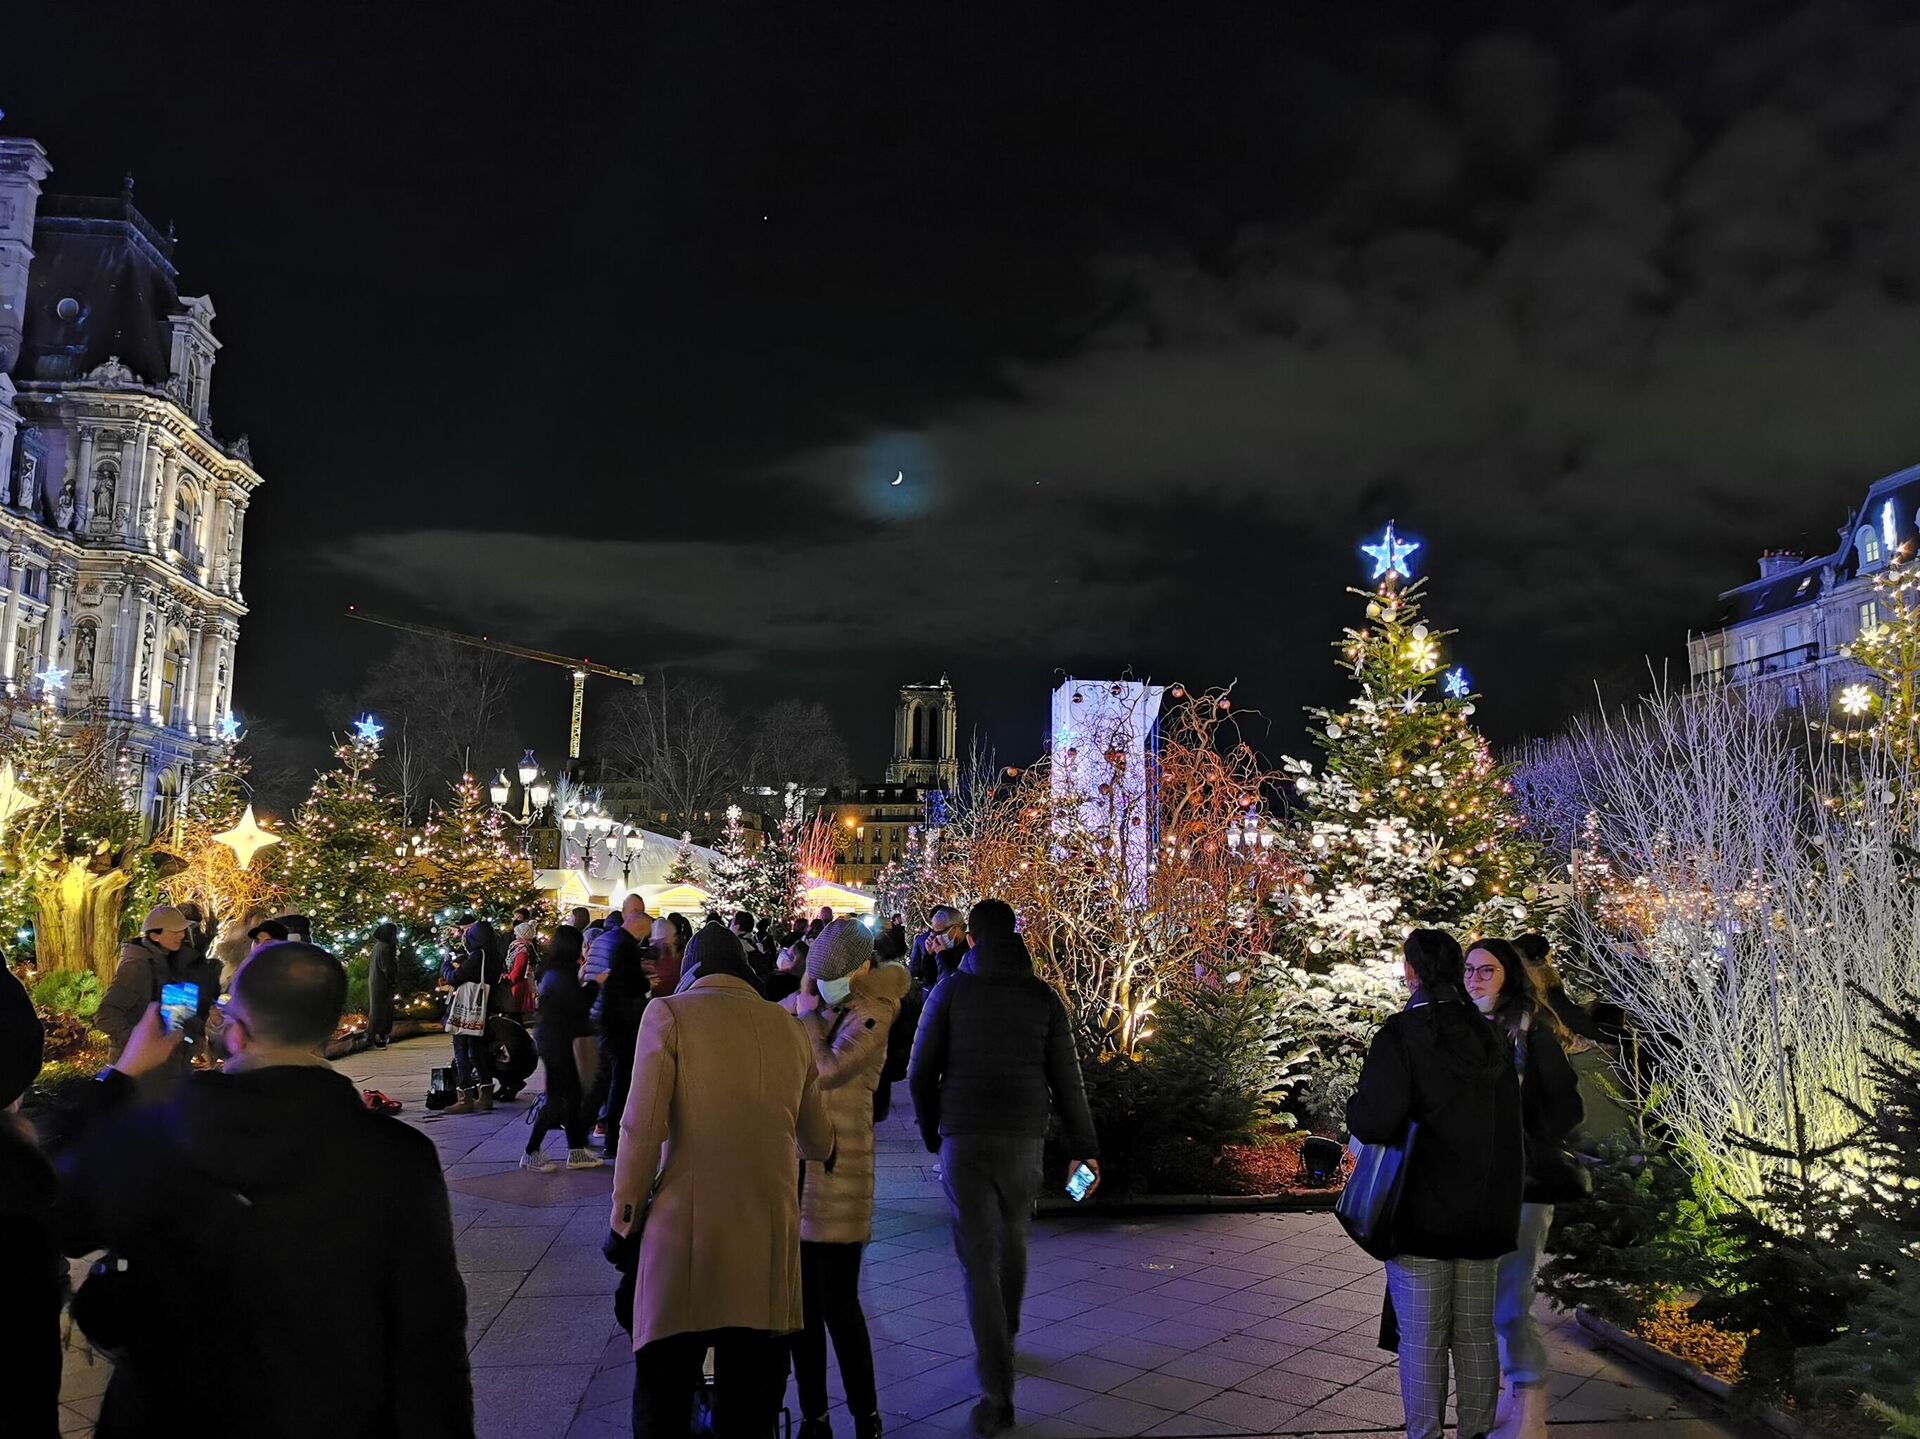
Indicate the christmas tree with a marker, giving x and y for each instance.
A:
(469, 865)
(778, 884)
(1408, 821)
(684, 869)
(730, 875)
(342, 868)
(1890, 647)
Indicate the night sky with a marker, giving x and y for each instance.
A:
(607, 334)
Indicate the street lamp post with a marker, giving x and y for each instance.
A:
(535, 792)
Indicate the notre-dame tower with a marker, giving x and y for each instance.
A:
(926, 736)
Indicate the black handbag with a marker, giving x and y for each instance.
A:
(1369, 1206)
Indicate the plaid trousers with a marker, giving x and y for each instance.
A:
(1445, 1308)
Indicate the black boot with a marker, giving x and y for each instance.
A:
(815, 1429)
(867, 1426)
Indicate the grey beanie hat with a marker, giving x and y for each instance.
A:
(841, 948)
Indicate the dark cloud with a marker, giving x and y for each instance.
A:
(1599, 299)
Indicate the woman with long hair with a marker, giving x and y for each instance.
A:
(1439, 1064)
(1503, 989)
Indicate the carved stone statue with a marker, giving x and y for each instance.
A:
(63, 508)
(84, 635)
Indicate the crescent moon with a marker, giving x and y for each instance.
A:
(899, 478)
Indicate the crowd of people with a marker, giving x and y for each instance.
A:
(732, 1075)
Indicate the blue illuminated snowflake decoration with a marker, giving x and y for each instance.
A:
(368, 729)
(1391, 555)
(1456, 683)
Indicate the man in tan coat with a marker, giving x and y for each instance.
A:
(705, 1205)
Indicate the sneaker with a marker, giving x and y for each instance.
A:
(989, 1418)
(583, 1159)
(536, 1161)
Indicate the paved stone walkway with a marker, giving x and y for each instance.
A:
(1241, 1324)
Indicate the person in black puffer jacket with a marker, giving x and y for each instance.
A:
(33, 1276)
(993, 1060)
(472, 1064)
(566, 1002)
(1439, 1063)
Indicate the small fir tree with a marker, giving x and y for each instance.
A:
(730, 874)
(342, 869)
(685, 869)
(469, 863)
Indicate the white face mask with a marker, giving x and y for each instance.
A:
(834, 991)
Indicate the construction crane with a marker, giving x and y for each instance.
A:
(580, 668)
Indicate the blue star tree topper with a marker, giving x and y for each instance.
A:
(368, 729)
(1391, 555)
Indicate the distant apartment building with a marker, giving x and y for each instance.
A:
(1785, 633)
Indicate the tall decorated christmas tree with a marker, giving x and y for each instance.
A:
(342, 870)
(470, 864)
(685, 869)
(779, 882)
(1890, 647)
(730, 874)
(1407, 820)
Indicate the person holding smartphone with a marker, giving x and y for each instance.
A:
(156, 957)
(993, 1061)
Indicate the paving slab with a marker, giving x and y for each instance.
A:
(1240, 1324)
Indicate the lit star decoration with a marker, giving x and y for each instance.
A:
(246, 839)
(1856, 700)
(1456, 683)
(229, 728)
(1888, 528)
(13, 799)
(1391, 555)
(368, 729)
(53, 677)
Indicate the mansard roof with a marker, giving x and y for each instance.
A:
(102, 285)
(1811, 578)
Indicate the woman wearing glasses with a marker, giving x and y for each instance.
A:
(1503, 989)
(1439, 1064)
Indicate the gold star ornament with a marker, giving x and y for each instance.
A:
(246, 839)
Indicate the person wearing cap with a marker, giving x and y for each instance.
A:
(267, 931)
(846, 1006)
(158, 956)
(236, 942)
(706, 1217)
(33, 1276)
(993, 1062)
(267, 1193)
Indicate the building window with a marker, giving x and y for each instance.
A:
(1793, 697)
(1792, 643)
(1716, 660)
(1750, 646)
(1869, 616)
(173, 675)
(33, 583)
(182, 526)
(1867, 541)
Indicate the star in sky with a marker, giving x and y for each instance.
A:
(368, 729)
(1456, 683)
(1391, 555)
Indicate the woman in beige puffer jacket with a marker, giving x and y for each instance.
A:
(847, 1006)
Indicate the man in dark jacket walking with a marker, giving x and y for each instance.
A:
(616, 962)
(268, 1195)
(993, 1060)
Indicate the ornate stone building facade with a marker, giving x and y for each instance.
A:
(122, 516)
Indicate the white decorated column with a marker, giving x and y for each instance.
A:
(206, 697)
(169, 497)
(83, 476)
(235, 547)
(53, 643)
(10, 614)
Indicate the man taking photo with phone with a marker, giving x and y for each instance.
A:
(267, 1198)
(993, 1060)
(161, 954)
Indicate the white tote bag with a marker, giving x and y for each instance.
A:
(468, 1012)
